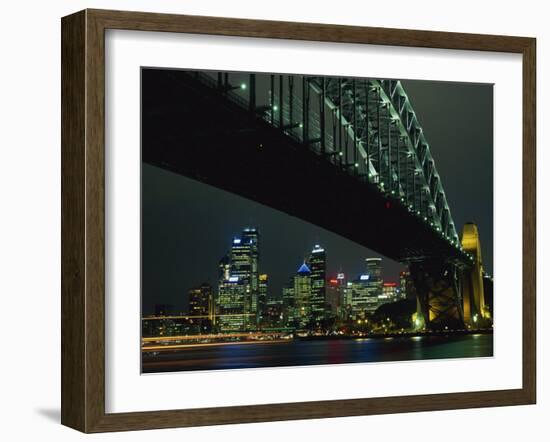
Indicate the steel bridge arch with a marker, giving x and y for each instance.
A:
(368, 127)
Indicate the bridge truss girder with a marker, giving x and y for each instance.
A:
(438, 287)
(366, 127)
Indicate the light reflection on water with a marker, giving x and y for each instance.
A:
(315, 352)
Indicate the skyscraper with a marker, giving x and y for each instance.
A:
(336, 295)
(302, 295)
(374, 268)
(244, 264)
(362, 296)
(239, 284)
(289, 304)
(230, 305)
(374, 272)
(201, 307)
(263, 281)
(318, 265)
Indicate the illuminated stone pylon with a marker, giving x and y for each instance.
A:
(476, 313)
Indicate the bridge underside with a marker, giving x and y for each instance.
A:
(192, 129)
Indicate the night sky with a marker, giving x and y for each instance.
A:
(188, 226)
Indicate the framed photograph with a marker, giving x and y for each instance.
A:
(267, 221)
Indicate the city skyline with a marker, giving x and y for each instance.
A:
(194, 306)
(390, 272)
(310, 302)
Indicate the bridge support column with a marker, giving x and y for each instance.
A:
(438, 291)
(476, 313)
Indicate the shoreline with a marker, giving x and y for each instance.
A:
(376, 336)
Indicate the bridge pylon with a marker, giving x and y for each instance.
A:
(476, 312)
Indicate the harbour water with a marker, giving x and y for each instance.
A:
(314, 352)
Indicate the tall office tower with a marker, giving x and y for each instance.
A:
(201, 307)
(230, 305)
(224, 270)
(244, 264)
(333, 295)
(273, 314)
(239, 284)
(374, 272)
(302, 295)
(200, 301)
(374, 268)
(263, 281)
(344, 304)
(289, 304)
(318, 265)
(362, 297)
(336, 296)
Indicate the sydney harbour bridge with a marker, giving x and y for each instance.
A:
(346, 154)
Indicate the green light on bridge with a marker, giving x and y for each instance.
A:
(243, 86)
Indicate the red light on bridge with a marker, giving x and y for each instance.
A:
(390, 284)
(388, 205)
(333, 281)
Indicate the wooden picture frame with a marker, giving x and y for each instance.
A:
(83, 219)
